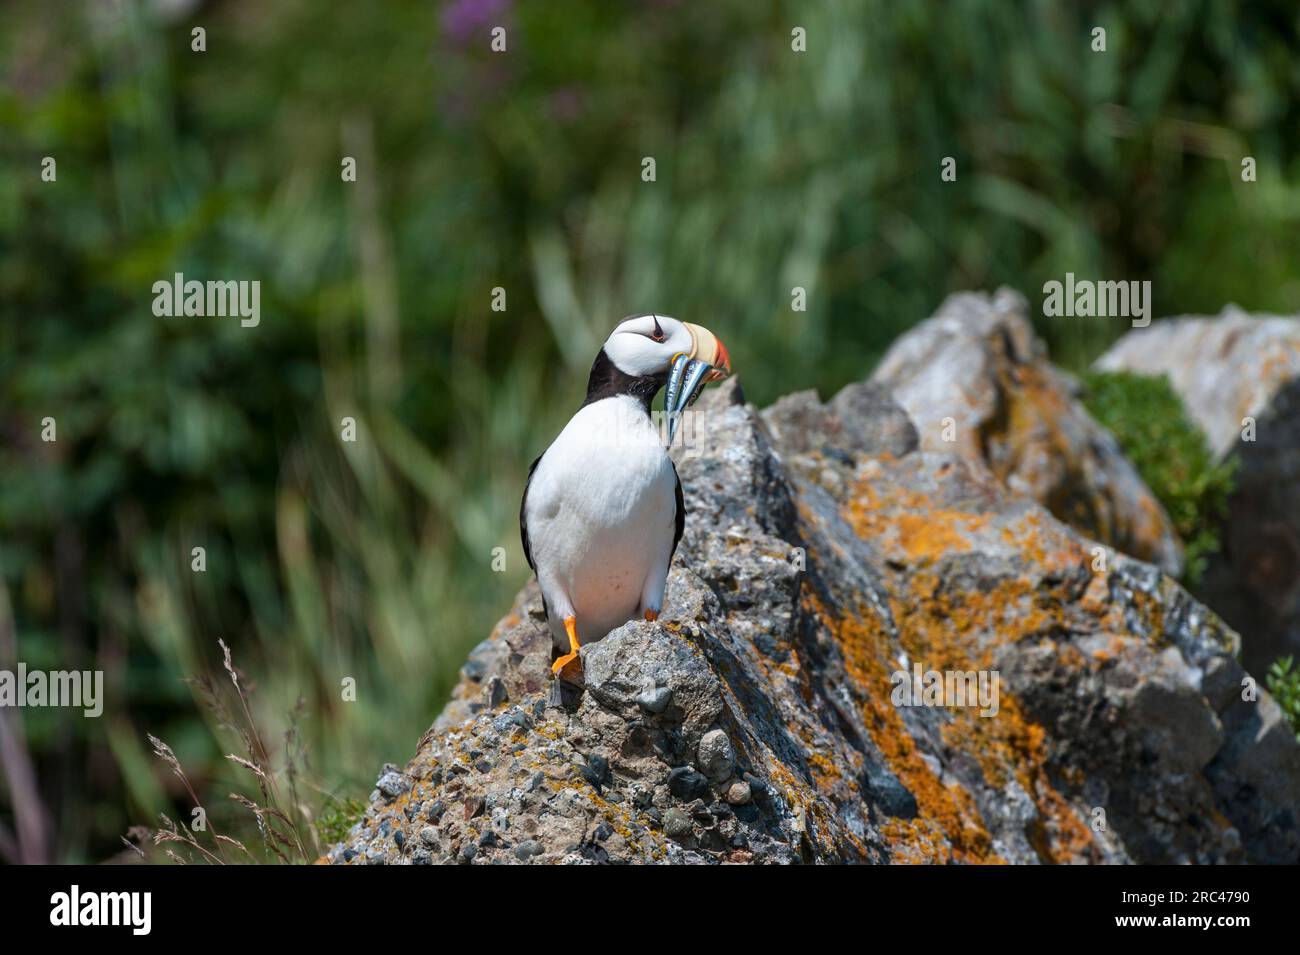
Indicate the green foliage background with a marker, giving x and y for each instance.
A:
(1283, 681)
(373, 560)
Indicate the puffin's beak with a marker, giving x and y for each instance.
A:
(691, 371)
(708, 348)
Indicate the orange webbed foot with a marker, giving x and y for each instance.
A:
(569, 665)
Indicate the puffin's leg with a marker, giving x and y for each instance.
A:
(568, 666)
(652, 590)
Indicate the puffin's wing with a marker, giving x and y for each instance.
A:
(523, 511)
(679, 518)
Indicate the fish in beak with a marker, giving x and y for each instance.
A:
(690, 371)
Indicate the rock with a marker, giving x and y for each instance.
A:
(596, 770)
(738, 793)
(656, 699)
(528, 849)
(687, 784)
(889, 793)
(862, 418)
(1224, 367)
(494, 693)
(977, 370)
(393, 784)
(715, 758)
(811, 579)
(677, 823)
(1227, 369)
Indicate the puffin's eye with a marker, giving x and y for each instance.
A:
(658, 334)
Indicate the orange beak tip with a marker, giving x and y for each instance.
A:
(724, 359)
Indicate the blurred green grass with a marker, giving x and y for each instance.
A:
(373, 560)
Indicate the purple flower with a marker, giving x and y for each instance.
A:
(463, 19)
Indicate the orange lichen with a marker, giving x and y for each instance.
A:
(923, 536)
(951, 629)
(962, 631)
(947, 827)
(825, 772)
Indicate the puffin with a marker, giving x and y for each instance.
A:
(602, 509)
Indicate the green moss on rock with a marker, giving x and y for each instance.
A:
(1149, 421)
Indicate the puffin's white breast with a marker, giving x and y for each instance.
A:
(600, 515)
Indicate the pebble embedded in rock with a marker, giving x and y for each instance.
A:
(596, 770)
(677, 823)
(393, 784)
(715, 757)
(528, 849)
(687, 784)
(655, 700)
(738, 793)
(429, 836)
(494, 693)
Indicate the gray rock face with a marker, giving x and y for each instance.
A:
(976, 382)
(763, 717)
(1227, 369)
(861, 419)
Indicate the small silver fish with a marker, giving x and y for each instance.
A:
(686, 380)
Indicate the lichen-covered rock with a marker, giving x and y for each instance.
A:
(1228, 369)
(759, 720)
(976, 382)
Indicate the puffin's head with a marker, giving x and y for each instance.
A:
(684, 355)
(647, 346)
